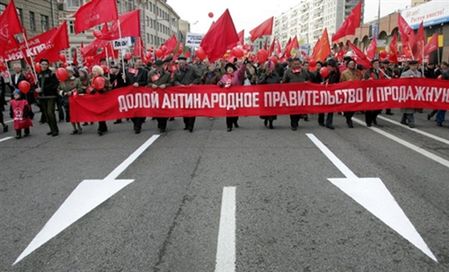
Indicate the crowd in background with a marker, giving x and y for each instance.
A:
(51, 94)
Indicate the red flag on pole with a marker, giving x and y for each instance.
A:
(242, 37)
(130, 26)
(75, 57)
(57, 42)
(432, 45)
(350, 24)
(407, 34)
(265, 28)
(220, 37)
(322, 47)
(94, 13)
(270, 52)
(394, 49)
(371, 50)
(360, 58)
(9, 26)
(138, 47)
(419, 43)
(170, 44)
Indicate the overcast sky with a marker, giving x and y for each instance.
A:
(247, 14)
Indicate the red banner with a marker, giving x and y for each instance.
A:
(257, 100)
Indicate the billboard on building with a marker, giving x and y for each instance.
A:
(431, 13)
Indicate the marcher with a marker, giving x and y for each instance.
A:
(48, 92)
(269, 75)
(160, 78)
(408, 114)
(67, 88)
(97, 71)
(20, 112)
(373, 73)
(350, 74)
(2, 103)
(334, 77)
(137, 77)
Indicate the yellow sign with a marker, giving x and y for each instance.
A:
(440, 40)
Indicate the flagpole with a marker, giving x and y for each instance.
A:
(31, 57)
(121, 53)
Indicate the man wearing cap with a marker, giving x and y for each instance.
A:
(350, 74)
(137, 77)
(48, 92)
(295, 73)
(408, 117)
(186, 75)
(374, 73)
(160, 78)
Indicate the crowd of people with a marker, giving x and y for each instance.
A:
(52, 95)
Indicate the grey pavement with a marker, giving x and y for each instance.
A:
(289, 216)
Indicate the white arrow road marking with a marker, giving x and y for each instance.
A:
(413, 147)
(225, 261)
(429, 135)
(5, 139)
(86, 197)
(372, 194)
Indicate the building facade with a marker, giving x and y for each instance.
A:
(418, 2)
(308, 18)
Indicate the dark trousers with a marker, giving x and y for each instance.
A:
(189, 122)
(371, 117)
(441, 114)
(2, 121)
(294, 120)
(48, 110)
(162, 123)
(60, 107)
(102, 127)
(230, 121)
(329, 119)
(25, 130)
(138, 121)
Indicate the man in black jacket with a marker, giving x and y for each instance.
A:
(137, 77)
(2, 103)
(186, 75)
(48, 91)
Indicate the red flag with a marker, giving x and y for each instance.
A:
(265, 28)
(138, 47)
(432, 45)
(278, 48)
(92, 48)
(220, 37)
(75, 57)
(394, 48)
(371, 50)
(94, 13)
(419, 43)
(129, 24)
(360, 58)
(57, 42)
(9, 26)
(270, 52)
(407, 34)
(242, 37)
(350, 24)
(170, 44)
(322, 48)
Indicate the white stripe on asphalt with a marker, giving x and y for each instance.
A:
(444, 141)
(225, 261)
(5, 139)
(413, 147)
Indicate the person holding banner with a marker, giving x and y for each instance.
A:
(350, 74)
(186, 75)
(137, 77)
(48, 92)
(334, 77)
(66, 89)
(373, 73)
(99, 84)
(408, 114)
(268, 75)
(160, 78)
(295, 73)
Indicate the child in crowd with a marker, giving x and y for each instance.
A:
(21, 114)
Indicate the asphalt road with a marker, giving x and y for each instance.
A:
(289, 217)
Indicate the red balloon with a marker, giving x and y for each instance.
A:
(62, 74)
(237, 52)
(24, 86)
(62, 58)
(312, 63)
(159, 53)
(210, 14)
(128, 56)
(38, 68)
(99, 83)
(262, 56)
(324, 72)
(200, 53)
(383, 54)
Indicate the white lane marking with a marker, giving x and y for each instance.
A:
(429, 135)
(413, 147)
(87, 196)
(373, 195)
(6, 139)
(225, 261)
(9, 121)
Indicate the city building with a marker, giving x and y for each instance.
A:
(308, 18)
(418, 2)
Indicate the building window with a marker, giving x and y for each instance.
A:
(151, 7)
(71, 27)
(147, 20)
(45, 23)
(151, 39)
(32, 21)
(72, 4)
(20, 13)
